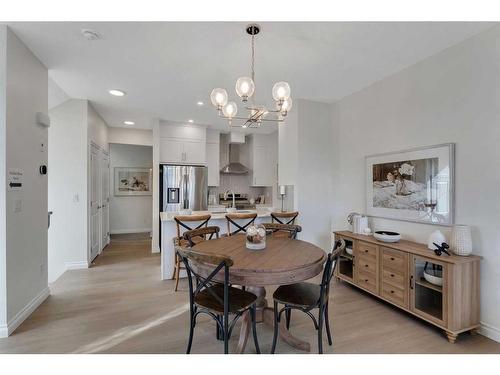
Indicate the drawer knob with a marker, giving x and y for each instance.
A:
(366, 265)
(392, 291)
(392, 258)
(392, 275)
(366, 251)
(366, 280)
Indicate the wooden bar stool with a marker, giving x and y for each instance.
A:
(231, 217)
(185, 223)
(284, 217)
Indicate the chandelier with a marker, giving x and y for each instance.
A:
(245, 88)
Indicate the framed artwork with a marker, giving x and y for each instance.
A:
(412, 185)
(132, 181)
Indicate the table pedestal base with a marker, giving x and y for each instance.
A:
(265, 315)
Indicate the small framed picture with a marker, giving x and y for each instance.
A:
(132, 181)
(412, 185)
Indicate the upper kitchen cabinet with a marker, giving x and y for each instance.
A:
(262, 159)
(183, 144)
(213, 157)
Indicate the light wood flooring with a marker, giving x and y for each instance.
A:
(120, 305)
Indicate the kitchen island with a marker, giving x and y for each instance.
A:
(169, 231)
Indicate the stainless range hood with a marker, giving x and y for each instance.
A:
(234, 166)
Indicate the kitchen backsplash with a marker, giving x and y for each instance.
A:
(241, 184)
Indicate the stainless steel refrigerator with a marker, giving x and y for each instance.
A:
(183, 187)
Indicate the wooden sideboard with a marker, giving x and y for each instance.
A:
(394, 273)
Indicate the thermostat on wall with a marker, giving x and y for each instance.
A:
(42, 119)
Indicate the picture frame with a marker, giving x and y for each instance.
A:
(414, 185)
(132, 181)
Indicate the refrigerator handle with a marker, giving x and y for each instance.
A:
(186, 184)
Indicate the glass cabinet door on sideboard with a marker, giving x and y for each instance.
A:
(427, 297)
(346, 261)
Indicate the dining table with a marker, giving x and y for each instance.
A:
(283, 261)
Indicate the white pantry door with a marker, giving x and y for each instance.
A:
(94, 203)
(104, 200)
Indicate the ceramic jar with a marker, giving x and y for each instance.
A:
(461, 240)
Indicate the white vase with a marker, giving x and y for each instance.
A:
(435, 237)
(461, 240)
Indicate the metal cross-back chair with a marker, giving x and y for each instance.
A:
(215, 299)
(231, 217)
(186, 222)
(284, 217)
(282, 230)
(305, 297)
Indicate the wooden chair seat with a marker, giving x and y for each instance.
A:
(299, 294)
(239, 300)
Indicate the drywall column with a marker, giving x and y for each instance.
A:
(305, 155)
(23, 148)
(67, 187)
(155, 243)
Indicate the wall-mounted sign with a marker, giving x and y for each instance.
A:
(15, 179)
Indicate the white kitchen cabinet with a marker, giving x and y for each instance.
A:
(183, 144)
(261, 160)
(213, 164)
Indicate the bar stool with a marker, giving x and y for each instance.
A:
(185, 223)
(231, 217)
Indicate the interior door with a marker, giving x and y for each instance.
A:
(94, 203)
(104, 200)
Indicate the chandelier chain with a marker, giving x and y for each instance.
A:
(253, 58)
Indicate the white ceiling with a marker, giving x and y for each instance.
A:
(167, 67)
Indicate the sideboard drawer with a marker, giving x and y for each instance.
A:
(395, 278)
(394, 259)
(366, 250)
(394, 294)
(367, 280)
(366, 264)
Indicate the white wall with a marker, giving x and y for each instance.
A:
(23, 250)
(56, 94)
(130, 214)
(67, 186)
(451, 97)
(305, 157)
(130, 136)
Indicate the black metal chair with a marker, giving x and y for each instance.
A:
(181, 222)
(306, 297)
(217, 300)
(231, 217)
(287, 230)
(284, 217)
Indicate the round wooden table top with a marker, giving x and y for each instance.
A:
(283, 261)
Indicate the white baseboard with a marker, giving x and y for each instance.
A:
(490, 332)
(26, 311)
(76, 265)
(155, 249)
(133, 230)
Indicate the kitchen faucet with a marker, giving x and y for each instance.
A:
(226, 193)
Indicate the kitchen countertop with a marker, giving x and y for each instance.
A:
(169, 216)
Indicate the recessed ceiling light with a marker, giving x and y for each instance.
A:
(190, 121)
(129, 122)
(200, 103)
(116, 92)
